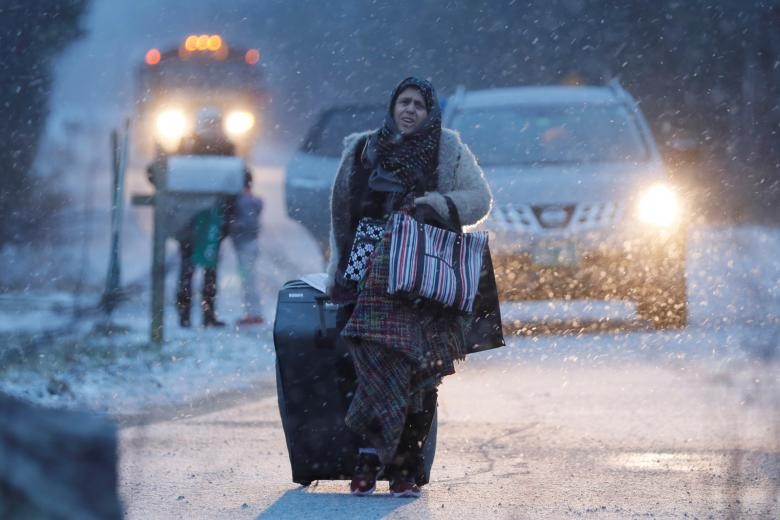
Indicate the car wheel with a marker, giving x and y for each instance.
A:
(665, 306)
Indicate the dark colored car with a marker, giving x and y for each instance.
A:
(312, 168)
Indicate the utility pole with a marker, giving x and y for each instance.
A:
(119, 153)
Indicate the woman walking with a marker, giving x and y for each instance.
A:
(401, 348)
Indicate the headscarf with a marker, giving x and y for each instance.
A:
(406, 162)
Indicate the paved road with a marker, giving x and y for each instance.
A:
(517, 439)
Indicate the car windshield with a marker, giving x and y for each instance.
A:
(327, 136)
(573, 133)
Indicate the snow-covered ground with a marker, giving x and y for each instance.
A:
(52, 358)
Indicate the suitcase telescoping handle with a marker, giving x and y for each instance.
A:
(324, 336)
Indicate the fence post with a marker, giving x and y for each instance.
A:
(158, 254)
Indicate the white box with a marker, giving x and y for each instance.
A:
(207, 174)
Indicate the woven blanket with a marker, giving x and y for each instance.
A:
(399, 349)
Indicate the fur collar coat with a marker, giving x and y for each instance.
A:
(459, 177)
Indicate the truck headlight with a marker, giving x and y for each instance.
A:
(171, 124)
(239, 122)
(659, 205)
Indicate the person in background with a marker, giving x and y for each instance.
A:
(209, 137)
(244, 231)
(199, 246)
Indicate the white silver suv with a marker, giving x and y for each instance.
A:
(583, 206)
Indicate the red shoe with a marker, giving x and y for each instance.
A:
(364, 480)
(249, 320)
(362, 485)
(402, 488)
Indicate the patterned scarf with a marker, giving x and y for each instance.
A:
(413, 157)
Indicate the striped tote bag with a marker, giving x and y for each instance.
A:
(433, 263)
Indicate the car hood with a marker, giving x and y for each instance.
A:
(567, 184)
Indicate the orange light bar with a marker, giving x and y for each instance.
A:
(202, 43)
(152, 57)
(191, 43)
(214, 42)
(252, 56)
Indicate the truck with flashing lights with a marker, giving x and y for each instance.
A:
(203, 72)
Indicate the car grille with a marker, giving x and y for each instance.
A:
(578, 217)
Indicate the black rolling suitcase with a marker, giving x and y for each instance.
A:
(315, 380)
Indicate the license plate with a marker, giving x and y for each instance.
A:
(554, 254)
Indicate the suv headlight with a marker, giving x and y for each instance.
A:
(239, 122)
(659, 205)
